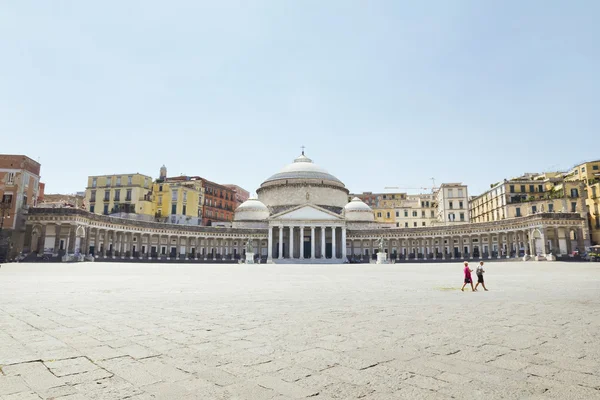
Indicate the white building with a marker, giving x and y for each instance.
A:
(417, 210)
(453, 203)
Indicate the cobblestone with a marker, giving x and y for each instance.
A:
(273, 332)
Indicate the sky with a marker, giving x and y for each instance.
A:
(381, 93)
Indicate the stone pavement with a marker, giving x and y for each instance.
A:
(403, 331)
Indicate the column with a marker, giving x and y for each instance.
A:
(57, 232)
(569, 243)
(333, 243)
(281, 242)
(42, 240)
(499, 255)
(291, 242)
(556, 242)
(362, 250)
(490, 246)
(302, 243)
(451, 246)
(312, 242)
(580, 241)
(323, 253)
(344, 245)
(270, 245)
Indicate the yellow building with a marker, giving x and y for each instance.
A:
(589, 174)
(383, 204)
(125, 195)
(178, 200)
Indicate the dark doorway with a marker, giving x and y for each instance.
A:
(307, 253)
(92, 250)
(328, 249)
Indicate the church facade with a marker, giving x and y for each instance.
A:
(301, 215)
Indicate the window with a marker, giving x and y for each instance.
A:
(414, 224)
(582, 170)
(432, 214)
(450, 192)
(460, 204)
(159, 200)
(108, 180)
(184, 209)
(423, 223)
(10, 178)
(106, 195)
(595, 167)
(92, 208)
(406, 213)
(160, 188)
(129, 180)
(106, 209)
(534, 209)
(94, 182)
(522, 188)
(593, 192)
(451, 217)
(450, 205)
(118, 181)
(550, 207)
(118, 195)
(92, 196)
(398, 213)
(512, 188)
(388, 214)
(128, 195)
(531, 188)
(414, 214)
(174, 195)
(174, 208)
(540, 188)
(518, 212)
(406, 224)
(378, 215)
(423, 214)
(7, 198)
(574, 193)
(460, 193)
(462, 216)
(184, 197)
(573, 206)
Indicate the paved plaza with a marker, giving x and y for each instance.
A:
(403, 331)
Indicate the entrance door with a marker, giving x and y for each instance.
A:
(328, 249)
(307, 249)
(92, 249)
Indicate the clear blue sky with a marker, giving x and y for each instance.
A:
(382, 93)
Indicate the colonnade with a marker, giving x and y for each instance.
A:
(305, 242)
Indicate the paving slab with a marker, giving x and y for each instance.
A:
(146, 331)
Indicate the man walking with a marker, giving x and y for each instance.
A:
(480, 271)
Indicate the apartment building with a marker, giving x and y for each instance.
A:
(452, 203)
(122, 195)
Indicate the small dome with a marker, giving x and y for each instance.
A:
(303, 168)
(251, 210)
(357, 210)
(357, 205)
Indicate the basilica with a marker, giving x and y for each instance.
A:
(301, 215)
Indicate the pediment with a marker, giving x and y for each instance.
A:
(307, 212)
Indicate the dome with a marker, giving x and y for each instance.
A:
(357, 210)
(251, 210)
(303, 168)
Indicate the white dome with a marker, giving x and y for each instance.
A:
(303, 168)
(251, 210)
(357, 210)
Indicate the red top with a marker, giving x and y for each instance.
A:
(467, 272)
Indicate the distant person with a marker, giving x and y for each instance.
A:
(480, 271)
(468, 279)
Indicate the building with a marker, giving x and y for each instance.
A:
(20, 189)
(529, 194)
(240, 194)
(589, 174)
(178, 200)
(75, 200)
(452, 203)
(302, 215)
(121, 195)
(383, 204)
(219, 203)
(418, 210)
